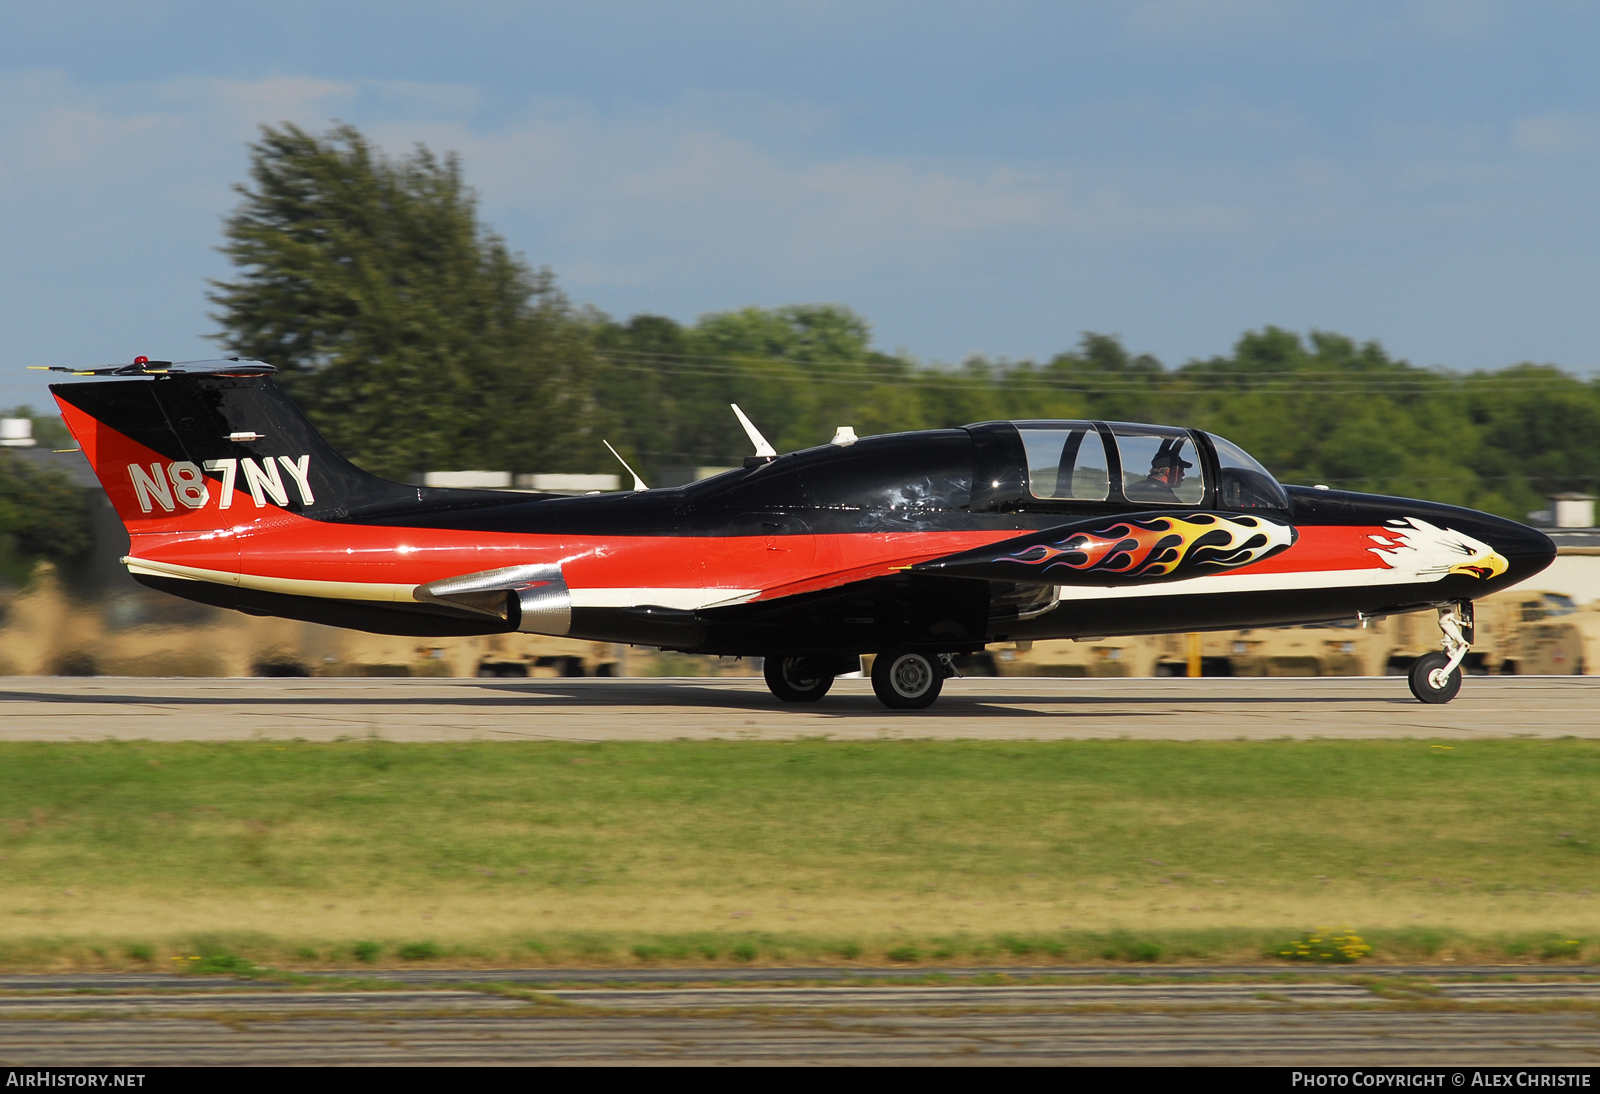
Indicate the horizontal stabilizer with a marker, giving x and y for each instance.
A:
(143, 366)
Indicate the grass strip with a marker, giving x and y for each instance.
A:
(221, 857)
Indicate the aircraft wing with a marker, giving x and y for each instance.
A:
(835, 578)
(1138, 549)
(1143, 548)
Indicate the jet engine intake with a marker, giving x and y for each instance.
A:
(533, 598)
(544, 607)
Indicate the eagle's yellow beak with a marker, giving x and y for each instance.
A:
(1486, 566)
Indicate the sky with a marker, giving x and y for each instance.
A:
(974, 178)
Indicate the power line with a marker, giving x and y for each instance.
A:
(1189, 369)
(1164, 385)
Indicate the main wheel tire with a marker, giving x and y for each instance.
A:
(906, 679)
(1426, 683)
(793, 680)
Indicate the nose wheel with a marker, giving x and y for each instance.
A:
(1436, 677)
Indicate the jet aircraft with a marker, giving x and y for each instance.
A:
(914, 547)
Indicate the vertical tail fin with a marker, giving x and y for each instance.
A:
(203, 451)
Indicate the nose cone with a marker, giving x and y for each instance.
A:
(1471, 554)
(1525, 551)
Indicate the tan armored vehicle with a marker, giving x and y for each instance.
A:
(43, 631)
(1554, 637)
(1521, 631)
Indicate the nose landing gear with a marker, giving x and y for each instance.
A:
(1436, 677)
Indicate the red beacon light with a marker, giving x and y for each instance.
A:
(141, 360)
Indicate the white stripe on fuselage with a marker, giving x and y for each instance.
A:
(1254, 583)
(690, 599)
(330, 590)
(686, 599)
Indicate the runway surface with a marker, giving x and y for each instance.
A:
(561, 977)
(74, 708)
(1328, 1023)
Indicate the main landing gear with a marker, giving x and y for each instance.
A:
(902, 679)
(806, 679)
(908, 679)
(797, 679)
(1436, 677)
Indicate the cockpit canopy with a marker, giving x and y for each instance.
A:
(1004, 467)
(1152, 465)
(1242, 483)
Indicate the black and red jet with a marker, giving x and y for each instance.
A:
(914, 547)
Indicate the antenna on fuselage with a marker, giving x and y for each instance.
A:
(638, 483)
(763, 448)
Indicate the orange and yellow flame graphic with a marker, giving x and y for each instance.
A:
(1163, 546)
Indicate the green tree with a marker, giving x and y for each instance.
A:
(416, 340)
(799, 372)
(411, 335)
(42, 516)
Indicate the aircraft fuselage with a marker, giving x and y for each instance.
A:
(940, 540)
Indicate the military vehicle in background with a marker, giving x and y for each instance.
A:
(46, 631)
(1520, 632)
(1555, 637)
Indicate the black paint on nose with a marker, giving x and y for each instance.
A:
(1526, 550)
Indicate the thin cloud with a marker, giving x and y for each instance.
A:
(1557, 134)
(1181, 219)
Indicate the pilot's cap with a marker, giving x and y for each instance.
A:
(1167, 454)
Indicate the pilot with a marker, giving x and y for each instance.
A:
(1166, 475)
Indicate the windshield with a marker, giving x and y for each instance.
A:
(1159, 465)
(1242, 483)
(1066, 460)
